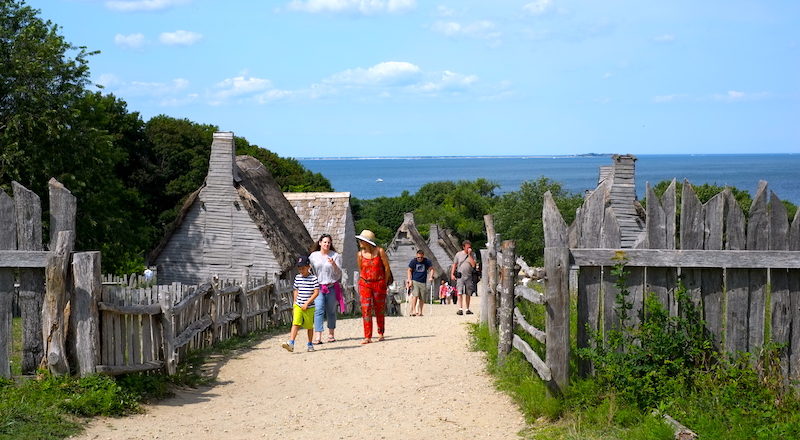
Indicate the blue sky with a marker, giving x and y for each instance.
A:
(353, 78)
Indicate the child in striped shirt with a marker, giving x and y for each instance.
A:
(306, 289)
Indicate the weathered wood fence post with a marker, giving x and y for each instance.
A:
(506, 313)
(31, 279)
(168, 327)
(490, 275)
(55, 310)
(85, 317)
(556, 262)
(8, 241)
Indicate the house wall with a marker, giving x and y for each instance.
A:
(217, 236)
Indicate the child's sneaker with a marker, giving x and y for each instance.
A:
(310, 347)
(289, 346)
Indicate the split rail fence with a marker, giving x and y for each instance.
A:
(76, 321)
(743, 274)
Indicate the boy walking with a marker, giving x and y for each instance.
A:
(306, 289)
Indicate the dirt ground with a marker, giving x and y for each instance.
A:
(423, 382)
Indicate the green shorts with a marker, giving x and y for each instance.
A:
(303, 318)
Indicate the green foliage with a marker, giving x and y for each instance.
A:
(384, 212)
(40, 409)
(644, 364)
(288, 172)
(518, 215)
(458, 206)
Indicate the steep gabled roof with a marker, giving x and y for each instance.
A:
(261, 196)
(273, 214)
(406, 242)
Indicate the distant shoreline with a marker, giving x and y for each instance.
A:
(536, 156)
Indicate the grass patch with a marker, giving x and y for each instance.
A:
(54, 408)
(664, 365)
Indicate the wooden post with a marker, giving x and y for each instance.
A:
(56, 307)
(8, 241)
(506, 315)
(165, 299)
(556, 260)
(244, 306)
(31, 280)
(84, 330)
(490, 275)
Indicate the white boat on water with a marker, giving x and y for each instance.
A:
(379, 180)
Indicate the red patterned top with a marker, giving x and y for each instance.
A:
(372, 269)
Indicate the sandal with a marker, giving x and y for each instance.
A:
(317, 342)
(366, 341)
(331, 339)
(381, 338)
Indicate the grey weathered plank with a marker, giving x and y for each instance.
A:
(611, 240)
(712, 285)
(85, 317)
(689, 259)
(589, 287)
(27, 207)
(557, 319)
(519, 318)
(56, 298)
(542, 369)
(758, 239)
(8, 240)
(692, 234)
(780, 301)
(794, 298)
(661, 235)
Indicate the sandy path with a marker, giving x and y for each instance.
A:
(421, 383)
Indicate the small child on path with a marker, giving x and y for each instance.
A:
(306, 289)
(444, 289)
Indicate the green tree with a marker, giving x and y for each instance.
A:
(518, 215)
(290, 174)
(458, 206)
(42, 78)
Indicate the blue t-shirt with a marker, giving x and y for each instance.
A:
(419, 269)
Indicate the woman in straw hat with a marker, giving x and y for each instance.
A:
(375, 276)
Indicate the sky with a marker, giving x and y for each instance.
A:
(365, 78)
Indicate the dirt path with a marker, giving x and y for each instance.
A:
(423, 382)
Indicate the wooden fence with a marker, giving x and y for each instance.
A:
(75, 320)
(737, 272)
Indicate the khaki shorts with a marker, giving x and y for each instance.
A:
(418, 289)
(303, 318)
(465, 286)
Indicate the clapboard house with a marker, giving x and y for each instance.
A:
(239, 219)
(618, 182)
(329, 213)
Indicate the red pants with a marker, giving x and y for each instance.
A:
(373, 299)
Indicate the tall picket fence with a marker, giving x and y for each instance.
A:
(741, 272)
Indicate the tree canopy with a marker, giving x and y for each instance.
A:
(129, 176)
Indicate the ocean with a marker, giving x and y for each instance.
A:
(368, 178)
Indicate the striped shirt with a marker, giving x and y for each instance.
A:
(305, 287)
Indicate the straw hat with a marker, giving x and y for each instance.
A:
(367, 236)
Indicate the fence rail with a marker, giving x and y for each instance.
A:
(743, 276)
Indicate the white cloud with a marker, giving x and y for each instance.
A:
(538, 7)
(735, 96)
(607, 75)
(143, 5)
(664, 38)
(365, 7)
(132, 41)
(483, 29)
(444, 11)
(390, 73)
(180, 38)
(669, 98)
(447, 82)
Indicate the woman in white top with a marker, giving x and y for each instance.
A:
(327, 265)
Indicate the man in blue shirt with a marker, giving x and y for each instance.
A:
(419, 269)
